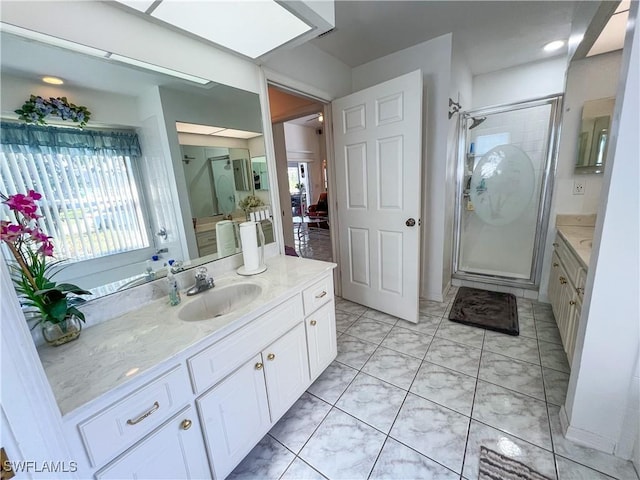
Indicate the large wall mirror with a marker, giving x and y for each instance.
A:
(119, 221)
(593, 139)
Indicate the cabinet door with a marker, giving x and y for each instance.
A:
(321, 339)
(554, 283)
(562, 317)
(234, 416)
(572, 327)
(286, 370)
(174, 450)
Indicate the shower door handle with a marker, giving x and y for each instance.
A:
(410, 222)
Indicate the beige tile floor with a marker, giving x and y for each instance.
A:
(406, 401)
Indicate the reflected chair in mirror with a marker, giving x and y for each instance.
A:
(319, 209)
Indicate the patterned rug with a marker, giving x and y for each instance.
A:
(489, 310)
(495, 466)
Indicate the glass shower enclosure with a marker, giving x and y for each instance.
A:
(506, 163)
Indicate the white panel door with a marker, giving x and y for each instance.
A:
(378, 142)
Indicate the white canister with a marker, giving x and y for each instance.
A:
(252, 253)
(225, 238)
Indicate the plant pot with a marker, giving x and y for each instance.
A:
(56, 334)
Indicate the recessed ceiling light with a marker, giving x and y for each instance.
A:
(553, 46)
(53, 80)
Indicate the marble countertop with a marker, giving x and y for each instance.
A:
(579, 239)
(113, 352)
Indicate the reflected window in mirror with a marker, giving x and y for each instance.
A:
(153, 218)
(593, 140)
(91, 203)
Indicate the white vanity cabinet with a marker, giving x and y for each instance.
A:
(236, 413)
(320, 325)
(198, 413)
(566, 289)
(173, 451)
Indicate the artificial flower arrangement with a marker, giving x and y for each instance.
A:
(36, 109)
(249, 202)
(31, 275)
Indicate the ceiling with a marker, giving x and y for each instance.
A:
(492, 34)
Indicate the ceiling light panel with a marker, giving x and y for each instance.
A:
(251, 28)
(230, 132)
(612, 36)
(158, 68)
(48, 39)
(197, 129)
(140, 5)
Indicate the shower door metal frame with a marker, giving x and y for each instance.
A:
(544, 200)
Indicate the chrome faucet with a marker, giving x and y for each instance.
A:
(203, 282)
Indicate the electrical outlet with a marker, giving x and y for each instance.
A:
(578, 187)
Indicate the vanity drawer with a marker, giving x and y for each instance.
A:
(568, 258)
(223, 357)
(317, 294)
(128, 420)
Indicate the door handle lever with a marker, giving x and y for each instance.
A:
(410, 222)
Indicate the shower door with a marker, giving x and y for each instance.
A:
(506, 159)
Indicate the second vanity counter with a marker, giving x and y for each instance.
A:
(579, 239)
(110, 354)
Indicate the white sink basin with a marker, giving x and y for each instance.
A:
(219, 301)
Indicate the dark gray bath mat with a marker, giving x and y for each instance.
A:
(494, 465)
(482, 308)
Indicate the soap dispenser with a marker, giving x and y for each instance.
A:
(174, 293)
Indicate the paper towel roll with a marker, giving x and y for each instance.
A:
(250, 249)
(225, 238)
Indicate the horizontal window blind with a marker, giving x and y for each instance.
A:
(90, 202)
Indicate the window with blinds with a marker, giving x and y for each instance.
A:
(91, 204)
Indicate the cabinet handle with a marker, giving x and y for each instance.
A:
(259, 366)
(555, 264)
(271, 356)
(572, 302)
(155, 407)
(321, 294)
(186, 424)
(579, 290)
(562, 280)
(313, 323)
(555, 245)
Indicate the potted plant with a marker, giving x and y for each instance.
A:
(250, 202)
(34, 268)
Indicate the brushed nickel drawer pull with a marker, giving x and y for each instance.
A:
(155, 407)
(313, 323)
(572, 302)
(259, 366)
(321, 295)
(562, 280)
(186, 424)
(271, 356)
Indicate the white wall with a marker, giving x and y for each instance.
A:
(310, 70)
(106, 108)
(587, 79)
(434, 59)
(524, 82)
(608, 337)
